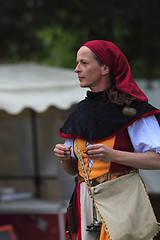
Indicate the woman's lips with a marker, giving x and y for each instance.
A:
(80, 78)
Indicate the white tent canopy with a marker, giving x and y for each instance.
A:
(37, 87)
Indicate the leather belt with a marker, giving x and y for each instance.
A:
(105, 177)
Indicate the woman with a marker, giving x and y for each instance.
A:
(117, 129)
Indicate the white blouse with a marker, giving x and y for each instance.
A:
(144, 135)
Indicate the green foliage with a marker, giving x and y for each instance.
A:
(50, 32)
(58, 46)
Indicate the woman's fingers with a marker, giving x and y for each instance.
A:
(95, 149)
(62, 152)
(99, 152)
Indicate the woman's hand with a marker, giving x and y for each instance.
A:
(100, 152)
(62, 152)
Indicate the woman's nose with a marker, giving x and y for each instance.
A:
(77, 69)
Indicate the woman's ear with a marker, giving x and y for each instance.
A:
(105, 70)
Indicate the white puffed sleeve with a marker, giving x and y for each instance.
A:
(145, 135)
(69, 143)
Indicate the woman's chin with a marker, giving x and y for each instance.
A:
(83, 85)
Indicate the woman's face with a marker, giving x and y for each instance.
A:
(90, 73)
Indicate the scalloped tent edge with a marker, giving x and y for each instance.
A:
(37, 87)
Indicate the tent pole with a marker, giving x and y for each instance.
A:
(35, 154)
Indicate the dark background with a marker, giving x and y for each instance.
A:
(50, 32)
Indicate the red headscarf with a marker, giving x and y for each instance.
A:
(119, 67)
